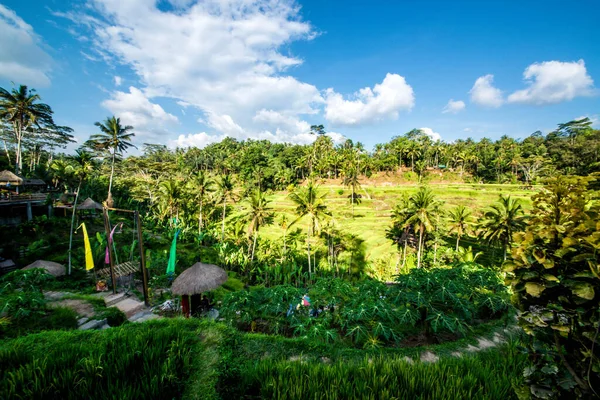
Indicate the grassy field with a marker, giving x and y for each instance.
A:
(372, 216)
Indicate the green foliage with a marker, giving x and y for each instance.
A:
(556, 279)
(489, 375)
(370, 313)
(114, 316)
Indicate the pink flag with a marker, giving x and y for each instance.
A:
(110, 239)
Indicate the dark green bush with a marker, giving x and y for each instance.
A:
(114, 316)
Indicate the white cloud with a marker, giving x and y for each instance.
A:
(384, 101)
(467, 130)
(22, 58)
(289, 123)
(118, 80)
(485, 94)
(221, 57)
(554, 81)
(199, 140)
(150, 120)
(454, 107)
(337, 138)
(433, 135)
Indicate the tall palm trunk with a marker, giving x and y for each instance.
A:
(254, 245)
(200, 219)
(352, 201)
(73, 223)
(308, 248)
(223, 225)
(112, 172)
(284, 244)
(457, 240)
(421, 228)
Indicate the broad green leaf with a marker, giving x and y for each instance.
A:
(584, 290)
(534, 289)
(551, 278)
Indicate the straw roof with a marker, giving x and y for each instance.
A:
(199, 278)
(89, 204)
(53, 268)
(6, 176)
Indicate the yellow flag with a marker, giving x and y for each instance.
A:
(89, 260)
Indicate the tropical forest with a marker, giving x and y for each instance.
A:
(262, 266)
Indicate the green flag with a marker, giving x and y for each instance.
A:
(173, 255)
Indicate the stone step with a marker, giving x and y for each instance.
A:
(82, 321)
(130, 306)
(148, 317)
(112, 299)
(93, 324)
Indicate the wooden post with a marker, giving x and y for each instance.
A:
(110, 255)
(142, 257)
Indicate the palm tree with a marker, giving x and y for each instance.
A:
(258, 213)
(311, 204)
(351, 180)
(502, 220)
(413, 151)
(422, 207)
(460, 219)
(21, 108)
(203, 186)
(283, 224)
(224, 192)
(80, 168)
(114, 138)
(170, 194)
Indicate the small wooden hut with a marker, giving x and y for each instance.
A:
(194, 281)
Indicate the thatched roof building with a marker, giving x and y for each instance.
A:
(53, 268)
(89, 204)
(7, 177)
(199, 278)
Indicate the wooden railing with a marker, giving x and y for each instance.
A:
(17, 198)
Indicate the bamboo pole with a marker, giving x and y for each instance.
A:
(110, 255)
(142, 257)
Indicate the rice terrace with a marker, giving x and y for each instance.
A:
(292, 199)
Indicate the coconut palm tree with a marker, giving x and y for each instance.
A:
(352, 181)
(80, 167)
(224, 193)
(283, 223)
(170, 196)
(21, 108)
(203, 186)
(309, 203)
(460, 219)
(422, 207)
(258, 213)
(501, 221)
(115, 139)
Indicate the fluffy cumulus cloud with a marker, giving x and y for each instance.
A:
(454, 106)
(485, 94)
(553, 82)
(118, 80)
(223, 58)
(384, 101)
(22, 57)
(150, 120)
(433, 135)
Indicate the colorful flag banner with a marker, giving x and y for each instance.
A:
(110, 239)
(173, 255)
(89, 259)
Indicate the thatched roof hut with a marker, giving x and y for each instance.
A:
(7, 177)
(53, 268)
(199, 278)
(89, 204)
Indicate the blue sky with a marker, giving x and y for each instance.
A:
(190, 73)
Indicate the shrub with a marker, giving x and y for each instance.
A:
(114, 316)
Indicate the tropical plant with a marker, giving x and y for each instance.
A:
(501, 221)
(114, 138)
(352, 181)
(555, 274)
(21, 108)
(258, 213)
(309, 203)
(460, 219)
(422, 207)
(225, 193)
(203, 185)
